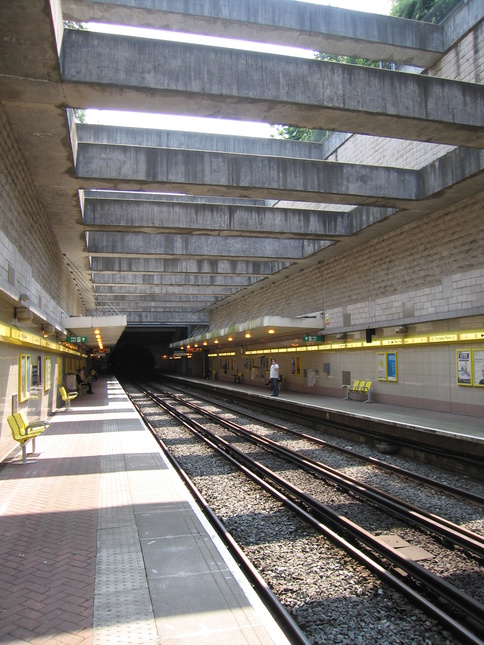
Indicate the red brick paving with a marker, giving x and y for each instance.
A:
(48, 520)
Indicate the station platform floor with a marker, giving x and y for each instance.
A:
(425, 420)
(102, 544)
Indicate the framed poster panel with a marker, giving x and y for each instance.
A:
(478, 367)
(463, 366)
(392, 367)
(25, 376)
(47, 373)
(381, 366)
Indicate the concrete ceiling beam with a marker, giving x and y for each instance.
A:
(136, 74)
(283, 22)
(136, 279)
(222, 174)
(200, 246)
(187, 266)
(170, 217)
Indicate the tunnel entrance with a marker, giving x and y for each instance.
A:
(132, 361)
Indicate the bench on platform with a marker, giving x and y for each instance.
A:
(23, 431)
(359, 387)
(67, 397)
(239, 377)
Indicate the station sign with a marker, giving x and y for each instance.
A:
(76, 339)
(443, 338)
(476, 335)
(313, 339)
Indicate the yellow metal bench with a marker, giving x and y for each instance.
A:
(23, 432)
(67, 397)
(359, 387)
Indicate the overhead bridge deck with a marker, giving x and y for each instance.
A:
(421, 434)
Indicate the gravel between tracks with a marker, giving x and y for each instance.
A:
(332, 598)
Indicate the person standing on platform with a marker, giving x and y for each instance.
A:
(274, 374)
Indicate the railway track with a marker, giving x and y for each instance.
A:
(330, 502)
(449, 453)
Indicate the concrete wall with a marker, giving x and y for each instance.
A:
(31, 263)
(428, 275)
(29, 253)
(431, 269)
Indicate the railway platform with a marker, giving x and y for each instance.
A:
(415, 431)
(102, 543)
(462, 425)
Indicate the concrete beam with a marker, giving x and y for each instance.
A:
(180, 140)
(172, 217)
(148, 318)
(158, 292)
(164, 197)
(138, 74)
(173, 303)
(187, 266)
(216, 173)
(460, 169)
(283, 22)
(137, 279)
(200, 246)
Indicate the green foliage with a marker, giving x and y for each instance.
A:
(352, 60)
(79, 115)
(73, 24)
(414, 9)
(295, 134)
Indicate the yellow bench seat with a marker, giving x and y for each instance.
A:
(23, 431)
(361, 387)
(67, 397)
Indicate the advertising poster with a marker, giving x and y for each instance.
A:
(381, 366)
(392, 374)
(478, 365)
(463, 367)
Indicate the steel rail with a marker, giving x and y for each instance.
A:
(461, 457)
(274, 606)
(445, 528)
(468, 495)
(437, 585)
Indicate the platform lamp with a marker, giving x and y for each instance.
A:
(48, 330)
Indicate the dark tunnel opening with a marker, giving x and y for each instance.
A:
(132, 361)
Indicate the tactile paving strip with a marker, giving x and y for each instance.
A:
(122, 607)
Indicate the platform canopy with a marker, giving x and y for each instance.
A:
(91, 329)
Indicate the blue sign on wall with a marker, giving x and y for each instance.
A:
(391, 366)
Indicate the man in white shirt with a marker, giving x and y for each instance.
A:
(274, 374)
